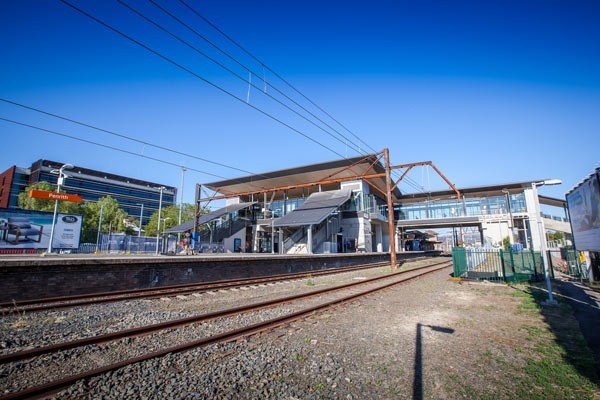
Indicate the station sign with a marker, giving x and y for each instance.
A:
(45, 195)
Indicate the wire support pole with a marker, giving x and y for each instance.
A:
(390, 205)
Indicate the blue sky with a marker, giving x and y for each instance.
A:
(491, 92)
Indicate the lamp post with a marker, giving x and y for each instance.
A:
(163, 232)
(183, 169)
(541, 228)
(61, 178)
(141, 217)
(99, 228)
(162, 188)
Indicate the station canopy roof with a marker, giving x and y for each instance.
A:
(315, 209)
(475, 191)
(206, 218)
(344, 168)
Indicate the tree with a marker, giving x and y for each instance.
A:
(506, 243)
(112, 215)
(557, 236)
(28, 203)
(172, 213)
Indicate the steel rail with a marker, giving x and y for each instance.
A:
(173, 290)
(54, 386)
(21, 355)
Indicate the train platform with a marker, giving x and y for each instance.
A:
(34, 276)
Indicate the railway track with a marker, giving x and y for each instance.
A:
(166, 291)
(333, 296)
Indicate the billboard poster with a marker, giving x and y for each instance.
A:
(24, 231)
(67, 231)
(584, 209)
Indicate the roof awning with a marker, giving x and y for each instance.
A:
(315, 209)
(206, 218)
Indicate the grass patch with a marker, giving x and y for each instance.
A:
(557, 364)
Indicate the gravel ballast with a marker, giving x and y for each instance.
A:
(428, 338)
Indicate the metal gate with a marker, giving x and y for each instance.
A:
(496, 265)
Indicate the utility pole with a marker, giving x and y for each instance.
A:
(183, 169)
(390, 205)
(141, 217)
(162, 188)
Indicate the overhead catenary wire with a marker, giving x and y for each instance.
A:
(145, 143)
(252, 72)
(155, 52)
(408, 181)
(347, 141)
(245, 80)
(113, 133)
(270, 70)
(106, 146)
(200, 77)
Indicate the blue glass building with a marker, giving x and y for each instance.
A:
(91, 185)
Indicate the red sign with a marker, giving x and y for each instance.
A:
(42, 194)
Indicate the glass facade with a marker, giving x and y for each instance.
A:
(20, 182)
(129, 196)
(465, 207)
(358, 202)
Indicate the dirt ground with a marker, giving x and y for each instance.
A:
(439, 339)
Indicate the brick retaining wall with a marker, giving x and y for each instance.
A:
(35, 277)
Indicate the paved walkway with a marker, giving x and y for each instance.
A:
(586, 306)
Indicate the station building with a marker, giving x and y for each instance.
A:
(90, 184)
(341, 206)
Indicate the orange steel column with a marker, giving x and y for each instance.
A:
(390, 205)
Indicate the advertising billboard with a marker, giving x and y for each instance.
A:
(584, 209)
(25, 231)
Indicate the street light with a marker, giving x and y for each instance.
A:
(61, 177)
(99, 228)
(162, 188)
(163, 232)
(541, 228)
(165, 225)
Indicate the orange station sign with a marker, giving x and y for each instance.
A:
(42, 194)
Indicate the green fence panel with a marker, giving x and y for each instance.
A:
(496, 265)
(459, 262)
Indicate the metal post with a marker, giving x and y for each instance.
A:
(159, 212)
(541, 229)
(197, 206)
(59, 182)
(141, 218)
(183, 169)
(53, 222)
(99, 228)
(503, 266)
(390, 205)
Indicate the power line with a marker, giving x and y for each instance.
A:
(138, 141)
(409, 181)
(107, 146)
(198, 76)
(271, 70)
(213, 84)
(124, 136)
(250, 70)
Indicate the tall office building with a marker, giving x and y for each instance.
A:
(90, 184)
